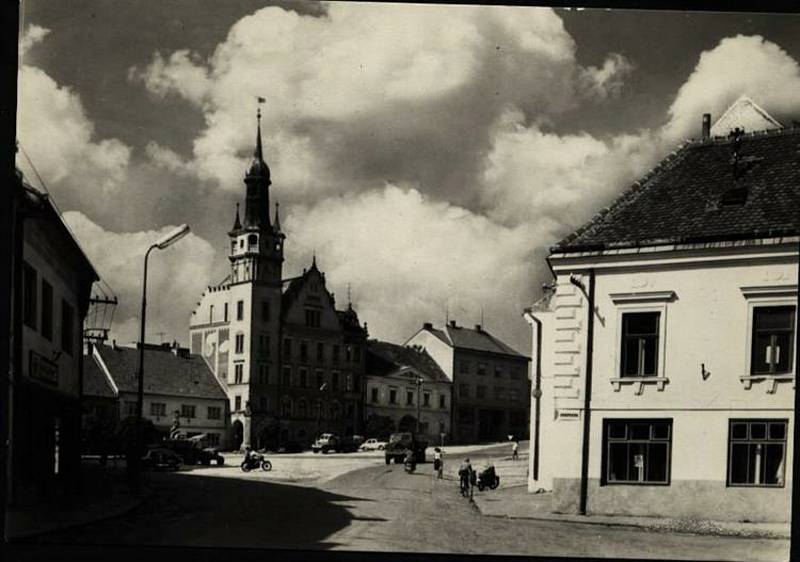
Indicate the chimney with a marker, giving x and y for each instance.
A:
(427, 326)
(706, 126)
(452, 323)
(478, 328)
(114, 344)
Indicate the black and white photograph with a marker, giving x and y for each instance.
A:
(354, 278)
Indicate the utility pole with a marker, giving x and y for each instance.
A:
(419, 402)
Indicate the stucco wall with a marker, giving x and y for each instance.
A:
(705, 298)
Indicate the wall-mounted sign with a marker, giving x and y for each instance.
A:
(39, 367)
(568, 414)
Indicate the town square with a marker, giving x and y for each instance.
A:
(351, 277)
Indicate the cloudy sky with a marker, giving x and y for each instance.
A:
(429, 155)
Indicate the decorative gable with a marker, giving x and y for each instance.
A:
(744, 114)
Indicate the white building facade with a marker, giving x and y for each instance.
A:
(674, 396)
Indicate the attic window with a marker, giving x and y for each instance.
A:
(734, 196)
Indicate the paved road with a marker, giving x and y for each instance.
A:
(376, 508)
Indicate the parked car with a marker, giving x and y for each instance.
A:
(325, 443)
(161, 459)
(373, 445)
(192, 454)
(401, 442)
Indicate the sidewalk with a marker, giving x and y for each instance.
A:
(516, 503)
(105, 495)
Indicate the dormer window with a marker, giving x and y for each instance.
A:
(734, 196)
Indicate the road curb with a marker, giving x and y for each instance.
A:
(651, 526)
(105, 516)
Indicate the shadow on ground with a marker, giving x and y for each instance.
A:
(188, 510)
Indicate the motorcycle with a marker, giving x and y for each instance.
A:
(410, 466)
(488, 479)
(254, 462)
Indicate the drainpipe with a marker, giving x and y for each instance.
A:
(537, 392)
(587, 398)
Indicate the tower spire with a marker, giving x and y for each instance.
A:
(257, 153)
(277, 223)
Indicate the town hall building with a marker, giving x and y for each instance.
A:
(291, 363)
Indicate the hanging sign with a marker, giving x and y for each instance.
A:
(568, 414)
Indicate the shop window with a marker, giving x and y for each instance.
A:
(757, 453)
(636, 451)
(773, 340)
(639, 344)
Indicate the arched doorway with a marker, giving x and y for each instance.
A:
(238, 435)
(407, 423)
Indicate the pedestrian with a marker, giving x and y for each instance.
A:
(464, 475)
(438, 462)
(515, 450)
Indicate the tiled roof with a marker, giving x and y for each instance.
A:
(384, 358)
(95, 382)
(475, 340)
(164, 372)
(688, 197)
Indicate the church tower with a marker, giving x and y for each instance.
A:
(256, 253)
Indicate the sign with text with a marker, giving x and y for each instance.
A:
(567, 415)
(39, 367)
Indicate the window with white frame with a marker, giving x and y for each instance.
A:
(639, 355)
(757, 452)
(772, 340)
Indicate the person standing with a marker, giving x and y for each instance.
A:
(515, 450)
(438, 462)
(464, 474)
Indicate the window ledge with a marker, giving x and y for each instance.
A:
(640, 382)
(771, 380)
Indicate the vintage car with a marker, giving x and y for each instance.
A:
(191, 453)
(373, 445)
(161, 459)
(400, 443)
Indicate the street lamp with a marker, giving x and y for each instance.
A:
(319, 407)
(163, 242)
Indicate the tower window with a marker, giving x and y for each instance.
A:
(252, 241)
(225, 312)
(211, 314)
(240, 310)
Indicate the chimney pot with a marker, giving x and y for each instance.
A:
(706, 126)
(478, 328)
(427, 326)
(452, 323)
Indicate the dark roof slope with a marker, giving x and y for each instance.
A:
(95, 382)
(475, 340)
(164, 372)
(384, 358)
(688, 197)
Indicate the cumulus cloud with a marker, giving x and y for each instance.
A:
(54, 130)
(33, 34)
(606, 81)
(373, 93)
(559, 180)
(738, 65)
(409, 258)
(176, 276)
